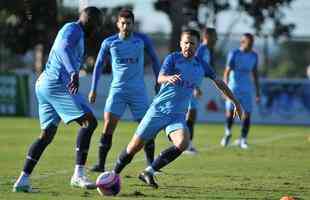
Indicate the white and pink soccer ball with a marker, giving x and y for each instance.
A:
(108, 184)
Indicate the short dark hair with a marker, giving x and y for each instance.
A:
(250, 36)
(209, 30)
(92, 12)
(126, 13)
(191, 32)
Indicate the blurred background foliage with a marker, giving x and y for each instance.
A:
(29, 27)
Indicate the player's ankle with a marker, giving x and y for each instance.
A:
(150, 170)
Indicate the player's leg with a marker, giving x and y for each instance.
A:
(229, 120)
(125, 157)
(49, 121)
(245, 127)
(105, 144)
(180, 140)
(75, 108)
(150, 125)
(190, 122)
(178, 133)
(34, 153)
(138, 104)
(114, 109)
(246, 103)
(88, 125)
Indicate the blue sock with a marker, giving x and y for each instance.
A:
(104, 148)
(123, 159)
(166, 157)
(83, 142)
(149, 149)
(245, 127)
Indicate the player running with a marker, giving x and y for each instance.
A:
(204, 52)
(180, 73)
(241, 67)
(127, 88)
(58, 98)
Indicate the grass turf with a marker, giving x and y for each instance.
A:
(276, 164)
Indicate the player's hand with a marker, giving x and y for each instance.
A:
(92, 97)
(238, 111)
(197, 92)
(257, 99)
(73, 85)
(174, 79)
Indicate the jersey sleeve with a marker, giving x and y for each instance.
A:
(151, 52)
(167, 67)
(199, 52)
(69, 41)
(230, 60)
(101, 57)
(204, 54)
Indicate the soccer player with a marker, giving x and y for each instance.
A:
(59, 99)
(180, 73)
(126, 49)
(241, 68)
(205, 52)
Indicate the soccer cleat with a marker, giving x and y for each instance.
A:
(148, 178)
(22, 185)
(97, 168)
(191, 151)
(237, 142)
(23, 188)
(225, 140)
(82, 182)
(243, 144)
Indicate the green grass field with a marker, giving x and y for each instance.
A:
(276, 164)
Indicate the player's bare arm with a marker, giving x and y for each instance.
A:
(256, 83)
(92, 96)
(227, 92)
(226, 74)
(172, 79)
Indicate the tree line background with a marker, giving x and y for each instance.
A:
(31, 26)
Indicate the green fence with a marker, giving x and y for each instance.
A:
(14, 95)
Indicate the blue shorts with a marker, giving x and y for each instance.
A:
(154, 121)
(245, 99)
(118, 100)
(55, 103)
(193, 103)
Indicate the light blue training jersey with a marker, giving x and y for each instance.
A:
(241, 64)
(175, 98)
(204, 53)
(127, 57)
(66, 55)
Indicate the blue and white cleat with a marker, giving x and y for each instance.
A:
(82, 182)
(225, 140)
(22, 184)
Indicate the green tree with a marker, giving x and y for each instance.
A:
(292, 60)
(183, 12)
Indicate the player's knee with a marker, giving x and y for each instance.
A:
(135, 145)
(182, 144)
(149, 144)
(93, 123)
(90, 123)
(191, 116)
(48, 134)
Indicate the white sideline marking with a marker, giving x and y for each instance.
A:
(257, 141)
